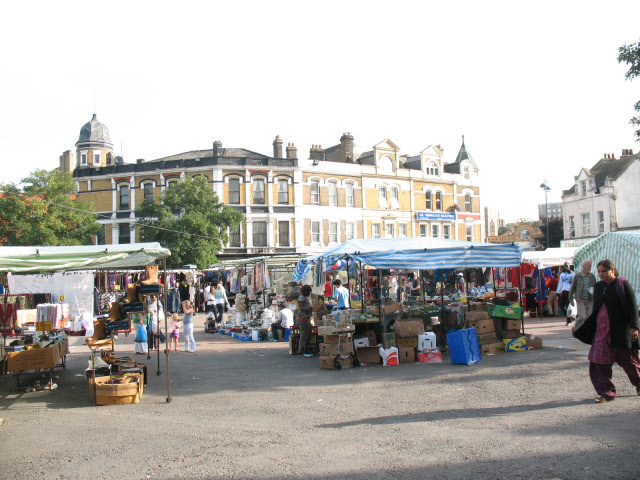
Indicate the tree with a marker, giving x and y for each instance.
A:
(556, 232)
(190, 221)
(630, 54)
(45, 212)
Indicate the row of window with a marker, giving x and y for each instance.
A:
(259, 234)
(586, 224)
(258, 197)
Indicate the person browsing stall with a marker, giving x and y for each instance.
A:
(342, 295)
(221, 300)
(615, 312)
(304, 318)
(285, 320)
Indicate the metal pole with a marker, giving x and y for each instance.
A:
(546, 208)
(166, 322)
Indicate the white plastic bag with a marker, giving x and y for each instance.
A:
(572, 309)
(389, 356)
(86, 320)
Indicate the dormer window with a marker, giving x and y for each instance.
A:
(466, 172)
(432, 169)
(386, 164)
(583, 186)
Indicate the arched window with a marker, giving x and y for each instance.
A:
(386, 164)
(333, 194)
(382, 195)
(258, 191)
(124, 196)
(428, 200)
(394, 198)
(283, 191)
(315, 192)
(439, 201)
(432, 168)
(467, 202)
(148, 192)
(108, 158)
(349, 194)
(234, 191)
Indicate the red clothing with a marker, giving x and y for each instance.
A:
(552, 285)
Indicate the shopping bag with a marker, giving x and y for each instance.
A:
(572, 309)
(585, 329)
(141, 335)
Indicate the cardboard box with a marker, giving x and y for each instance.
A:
(409, 328)
(430, 357)
(323, 331)
(406, 355)
(373, 338)
(407, 341)
(336, 348)
(511, 324)
(491, 348)
(511, 333)
(117, 394)
(389, 340)
(336, 338)
(476, 315)
(533, 342)
(34, 358)
(361, 342)
(515, 344)
(327, 362)
(369, 355)
(482, 326)
(487, 338)
(501, 311)
(479, 307)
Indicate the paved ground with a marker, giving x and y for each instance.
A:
(249, 410)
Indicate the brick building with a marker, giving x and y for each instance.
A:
(291, 205)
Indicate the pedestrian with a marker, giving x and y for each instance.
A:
(460, 282)
(582, 290)
(175, 332)
(187, 321)
(221, 301)
(552, 297)
(564, 286)
(616, 338)
(393, 289)
(209, 300)
(342, 295)
(304, 318)
(285, 320)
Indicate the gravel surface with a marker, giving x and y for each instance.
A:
(250, 410)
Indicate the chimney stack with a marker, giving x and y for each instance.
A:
(277, 147)
(217, 148)
(346, 144)
(316, 152)
(292, 151)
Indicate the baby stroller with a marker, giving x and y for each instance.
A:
(210, 325)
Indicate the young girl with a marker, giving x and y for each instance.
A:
(175, 332)
(187, 322)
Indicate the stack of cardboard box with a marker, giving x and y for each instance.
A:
(486, 329)
(338, 347)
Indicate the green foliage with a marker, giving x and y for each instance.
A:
(630, 54)
(38, 214)
(191, 207)
(556, 232)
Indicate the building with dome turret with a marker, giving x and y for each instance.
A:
(291, 205)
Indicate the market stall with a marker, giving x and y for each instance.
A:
(48, 262)
(439, 257)
(622, 248)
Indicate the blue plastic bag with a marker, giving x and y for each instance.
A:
(141, 335)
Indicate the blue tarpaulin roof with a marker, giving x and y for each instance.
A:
(416, 253)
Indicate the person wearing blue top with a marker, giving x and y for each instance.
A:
(342, 294)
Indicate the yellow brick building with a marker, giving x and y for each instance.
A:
(291, 205)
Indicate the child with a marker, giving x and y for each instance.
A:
(187, 322)
(175, 332)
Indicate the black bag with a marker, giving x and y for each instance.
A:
(585, 330)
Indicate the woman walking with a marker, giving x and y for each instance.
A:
(221, 300)
(616, 338)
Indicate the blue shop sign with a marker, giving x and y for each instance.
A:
(449, 217)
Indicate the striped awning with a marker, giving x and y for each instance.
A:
(622, 248)
(417, 253)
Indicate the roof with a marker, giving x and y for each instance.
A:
(81, 257)
(208, 153)
(413, 163)
(94, 132)
(366, 158)
(463, 155)
(611, 167)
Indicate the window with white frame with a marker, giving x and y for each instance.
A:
(435, 230)
(389, 230)
(386, 164)
(315, 232)
(350, 231)
(469, 236)
(235, 236)
(259, 234)
(333, 194)
(148, 192)
(467, 202)
(124, 197)
(258, 191)
(600, 222)
(428, 200)
(333, 232)
(234, 191)
(96, 159)
(124, 233)
(315, 193)
(402, 230)
(586, 224)
(83, 158)
(572, 226)
(583, 187)
(439, 201)
(432, 168)
(446, 231)
(382, 196)
(394, 198)
(349, 192)
(375, 230)
(423, 230)
(467, 172)
(283, 233)
(283, 191)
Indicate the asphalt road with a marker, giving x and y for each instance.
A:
(249, 410)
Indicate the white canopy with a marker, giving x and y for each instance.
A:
(81, 257)
(551, 257)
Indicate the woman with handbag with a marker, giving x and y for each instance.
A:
(615, 314)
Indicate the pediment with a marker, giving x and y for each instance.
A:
(386, 144)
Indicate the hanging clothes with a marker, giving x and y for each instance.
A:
(542, 277)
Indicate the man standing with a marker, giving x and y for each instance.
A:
(304, 319)
(564, 286)
(582, 290)
(552, 297)
(342, 294)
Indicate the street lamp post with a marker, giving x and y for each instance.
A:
(546, 188)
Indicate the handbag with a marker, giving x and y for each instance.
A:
(585, 329)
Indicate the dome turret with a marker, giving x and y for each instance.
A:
(94, 134)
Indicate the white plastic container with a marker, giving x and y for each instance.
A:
(426, 342)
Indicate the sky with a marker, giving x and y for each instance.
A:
(535, 88)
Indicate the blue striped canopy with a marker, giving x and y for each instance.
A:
(417, 253)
